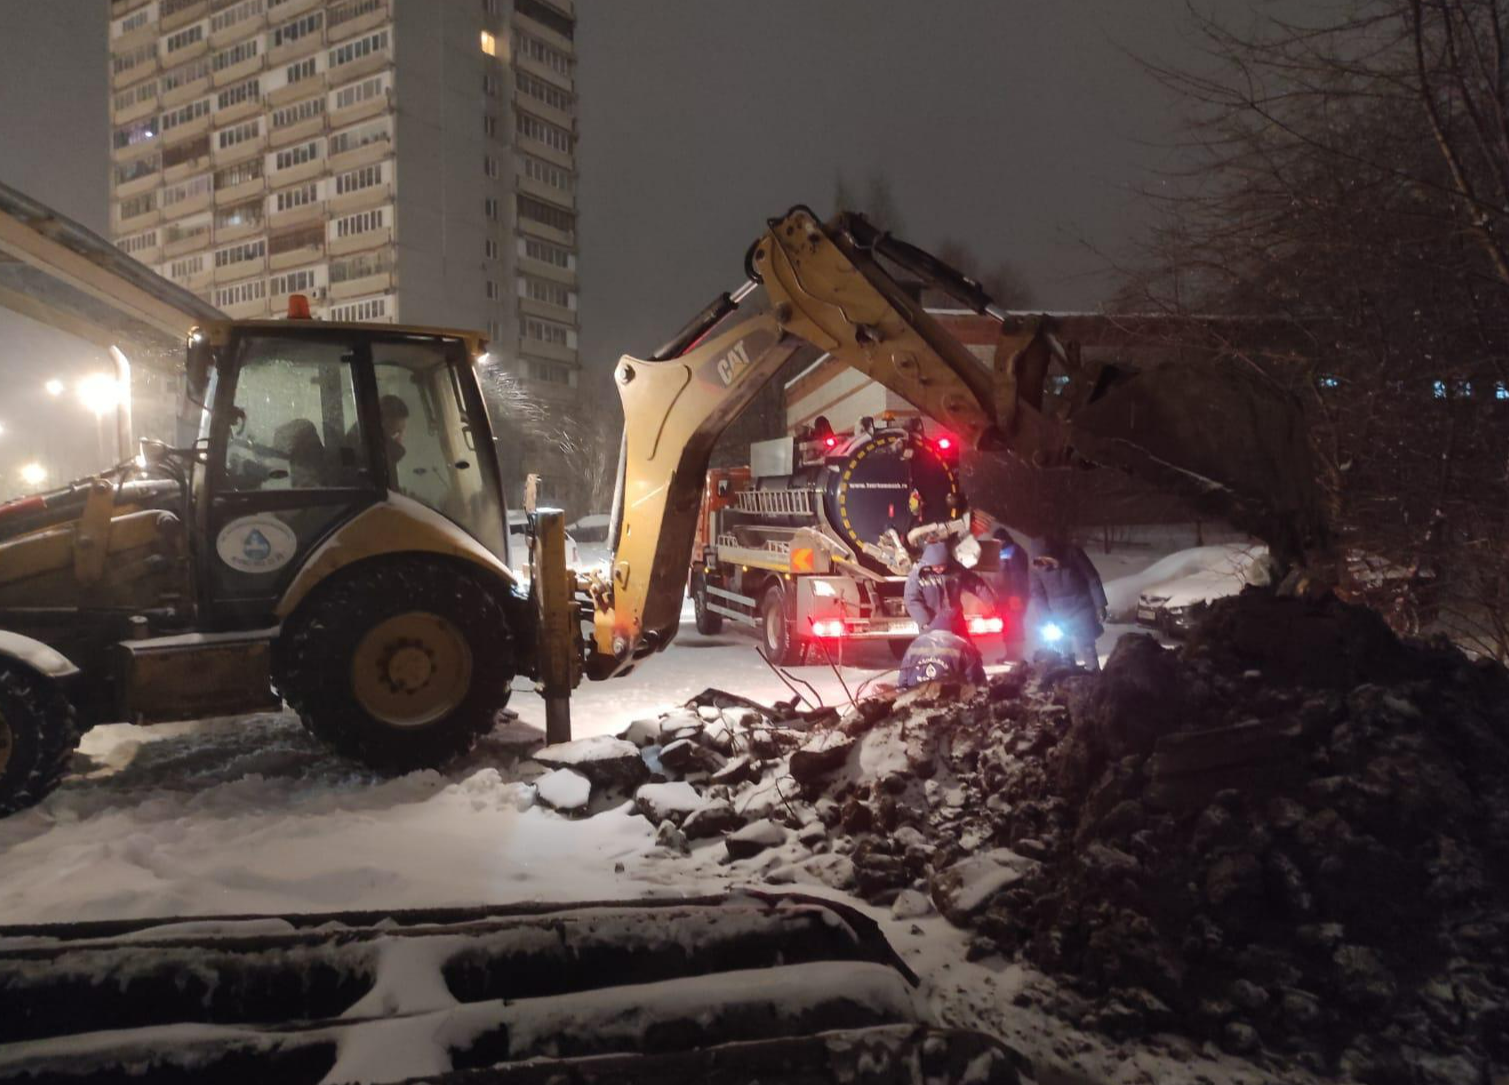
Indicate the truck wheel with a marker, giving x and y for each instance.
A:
(708, 622)
(898, 648)
(781, 647)
(400, 664)
(38, 734)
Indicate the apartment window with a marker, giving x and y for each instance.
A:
(490, 85)
(547, 253)
(131, 58)
(135, 21)
(184, 38)
(186, 190)
(241, 133)
(304, 69)
(359, 92)
(551, 135)
(297, 113)
(298, 155)
(228, 18)
(490, 208)
(526, 45)
(136, 95)
(358, 179)
(546, 331)
(489, 44)
(546, 291)
(182, 153)
(352, 9)
(491, 290)
(240, 254)
(138, 205)
(185, 229)
(547, 16)
(305, 237)
(173, 7)
(185, 74)
(547, 173)
(138, 242)
(356, 312)
(360, 266)
(137, 132)
(495, 330)
(555, 217)
(295, 29)
(490, 166)
(490, 126)
(137, 169)
(549, 372)
(174, 118)
(362, 223)
(237, 53)
(298, 196)
(489, 249)
(363, 135)
(293, 282)
(361, 47)
(241, 293)
(534, 87)
(187, 267)
(239, 215)
(239, 174)
(249, 90)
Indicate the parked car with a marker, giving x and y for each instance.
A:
(1192, 579)
(518, 524)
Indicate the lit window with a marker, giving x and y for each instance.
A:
(1501, 390)
(489, 44)
(1438, 389)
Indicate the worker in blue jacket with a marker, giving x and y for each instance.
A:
(935, 587)
(1067, 594)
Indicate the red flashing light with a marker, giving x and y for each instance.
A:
(945, 443)
(298, 307)
(983, 625)
(829, 630)
(830, 442)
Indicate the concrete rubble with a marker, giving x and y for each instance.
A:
(1301, 864)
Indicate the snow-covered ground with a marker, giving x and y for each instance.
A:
(252, 815)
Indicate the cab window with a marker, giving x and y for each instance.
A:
(431, 449)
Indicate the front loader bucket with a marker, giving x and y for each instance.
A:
(746, 988)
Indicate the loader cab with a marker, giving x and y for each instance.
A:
(309, 424)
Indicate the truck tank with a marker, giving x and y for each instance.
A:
(867, 490)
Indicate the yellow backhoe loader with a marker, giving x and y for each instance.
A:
(330, 530)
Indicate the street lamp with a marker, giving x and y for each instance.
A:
(33, 474)
(99, 393)
(54, 387)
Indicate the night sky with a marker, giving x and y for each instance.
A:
(1021, 128)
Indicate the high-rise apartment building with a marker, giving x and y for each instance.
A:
(409, 160)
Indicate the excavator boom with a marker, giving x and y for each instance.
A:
(1230, 441)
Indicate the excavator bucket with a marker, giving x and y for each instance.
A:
(744, 988)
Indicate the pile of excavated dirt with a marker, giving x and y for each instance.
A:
(1290, 839)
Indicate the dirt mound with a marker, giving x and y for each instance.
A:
(1297, 845)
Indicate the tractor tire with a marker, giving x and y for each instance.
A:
(778, 640)
(401, 664)
(708, 623)
(38, 734)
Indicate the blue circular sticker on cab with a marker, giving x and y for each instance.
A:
(256, 544)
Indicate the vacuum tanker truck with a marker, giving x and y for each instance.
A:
(814, 539)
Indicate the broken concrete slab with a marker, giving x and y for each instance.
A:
(608, 762)
(564, 790)
(755, 838)
(666, 802)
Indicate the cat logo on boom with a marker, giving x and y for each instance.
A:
(733, 363)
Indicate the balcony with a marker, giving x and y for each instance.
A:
(142, 220)
(316, 294)
(289, 51)
(292, 175)
(180, 133)
(236, 31)
(199, 278)
(148, 255)
(137, 177)
(294, 133)
(376, 276)
(184, 160)
(358, 66)
(342, 203)
(196, 87)
(304, 245)
(374, 151)
(173, 248)
(134, 74)
(375, 106)
(184, 53)
(139, 106)
(541, 191)
(370, 239)
(121, 43)
(247, 148)
(282, 94)
(190, 205)
(242, 269)
(241, 69)
(557, 313)
(173, 14)
(282, 10)
(239, 192)
(541, 270)
(256, 309)
(549, 351)
(348, 18)
(240, 111)
(302, 215)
